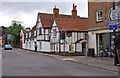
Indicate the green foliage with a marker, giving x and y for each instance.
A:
(14, 29)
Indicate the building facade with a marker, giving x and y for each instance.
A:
(100, 37)
(49, 29)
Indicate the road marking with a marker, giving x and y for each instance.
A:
(70, 59)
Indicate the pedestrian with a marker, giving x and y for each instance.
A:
(35, 47)
(116, 61)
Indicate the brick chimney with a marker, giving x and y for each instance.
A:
(74, 11)
(55, 12)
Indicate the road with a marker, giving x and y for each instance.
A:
(18, 62)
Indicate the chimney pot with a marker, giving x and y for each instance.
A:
(74, 11)
(55, 12)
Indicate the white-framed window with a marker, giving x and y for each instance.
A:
(26, 35)
(35, 33)
(99, 14)
(40, 31)
(54, 33)
(29, 34)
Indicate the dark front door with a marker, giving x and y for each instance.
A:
(84, 48)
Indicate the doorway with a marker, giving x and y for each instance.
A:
(84, 48)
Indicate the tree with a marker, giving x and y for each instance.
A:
(14, 30)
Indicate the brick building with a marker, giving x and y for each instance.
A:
(100, 37)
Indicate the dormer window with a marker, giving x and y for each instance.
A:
(40, 31)
(99, 16)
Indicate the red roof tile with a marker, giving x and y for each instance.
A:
(64, 21)
(72, 24)
(46, 19)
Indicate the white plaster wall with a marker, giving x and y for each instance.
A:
(79, 47)
(62, 47)
(54, 39)
(79, 35)
(73, 37)
(92, 41)
(24, 46)
(45, 46)
(67, 47)
(82, 35)
(39, 24)
(40, 37)
(32, 45)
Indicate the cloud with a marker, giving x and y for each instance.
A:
(27, 11)
(28, 19)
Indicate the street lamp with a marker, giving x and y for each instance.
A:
(116, 61)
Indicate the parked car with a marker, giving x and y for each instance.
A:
(7, 47)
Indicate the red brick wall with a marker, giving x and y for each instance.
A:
(92, 8)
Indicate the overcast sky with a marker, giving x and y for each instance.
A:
(27, 11)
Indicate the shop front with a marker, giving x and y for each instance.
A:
(105, 44)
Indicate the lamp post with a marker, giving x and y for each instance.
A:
(114, 39)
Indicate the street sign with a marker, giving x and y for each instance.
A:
(113, 15)
(113, 27)
(109, 23)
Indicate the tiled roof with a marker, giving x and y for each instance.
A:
(47, 19)
(72, 24)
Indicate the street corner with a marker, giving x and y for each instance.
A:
(70, 59)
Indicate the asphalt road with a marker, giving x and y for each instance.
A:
(18, 62)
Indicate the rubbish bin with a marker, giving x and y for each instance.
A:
(91, 52)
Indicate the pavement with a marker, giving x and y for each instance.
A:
(106, 63)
